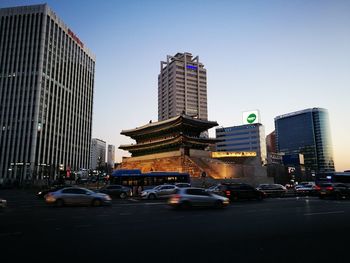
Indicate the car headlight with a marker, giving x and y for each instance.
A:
(50, 198)
(108, 198)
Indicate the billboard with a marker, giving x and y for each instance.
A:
(232, 154)
(250, 117)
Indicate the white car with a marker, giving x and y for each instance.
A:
(77, 196)
(191, 197)
(160, 191)
(3, 203)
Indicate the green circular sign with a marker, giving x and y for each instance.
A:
(251, 118)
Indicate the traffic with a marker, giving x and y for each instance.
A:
(184, 195)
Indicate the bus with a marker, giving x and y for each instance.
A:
(341, 177)
(135, 178)
(335, 177)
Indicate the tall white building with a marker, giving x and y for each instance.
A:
(111, 155)
(182, 87)
(46, 95)
(97, 154)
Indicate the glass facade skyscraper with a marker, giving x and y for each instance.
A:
(307, 132)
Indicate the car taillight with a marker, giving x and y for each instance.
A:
(175, 199)
(228, 193)
(329, 188)
(317, 187)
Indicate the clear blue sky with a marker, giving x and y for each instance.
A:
(275, 56)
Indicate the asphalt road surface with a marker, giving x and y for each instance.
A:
(292, 229)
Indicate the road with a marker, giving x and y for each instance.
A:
(292, 229)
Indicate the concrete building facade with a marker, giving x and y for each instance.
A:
(97, 153)
(46, 95)
(111, 155)
(248, 137)
(182, 87)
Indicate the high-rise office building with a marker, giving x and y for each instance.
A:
(97, 154)
(306, 132)
(111, 155)
(46, 95)
(248, 137)
(182, 87)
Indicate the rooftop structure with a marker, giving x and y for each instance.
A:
(180, 132)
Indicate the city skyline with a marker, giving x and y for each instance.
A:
(276, 57)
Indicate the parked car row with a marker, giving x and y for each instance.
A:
(322, 190)
(183, 195)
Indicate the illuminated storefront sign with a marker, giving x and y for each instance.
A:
(232, 154)
(191, 67)
(250, 117)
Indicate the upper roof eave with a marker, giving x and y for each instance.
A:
(153, 125)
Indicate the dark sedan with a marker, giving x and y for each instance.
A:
(273, 189)
(306, 190)
(334, 190)
(117, 191)
(237, 191)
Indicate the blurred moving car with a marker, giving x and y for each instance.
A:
(334, 190)
(45, 191)
(306, 190)
(191, 197)
(160, 191)
(181, 185)
(116, 190)
(237, 191)
(77, 196)
(3, 203)
(273, 189)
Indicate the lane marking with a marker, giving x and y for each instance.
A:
(324, 213)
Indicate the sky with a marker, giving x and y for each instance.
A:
(274, 56)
